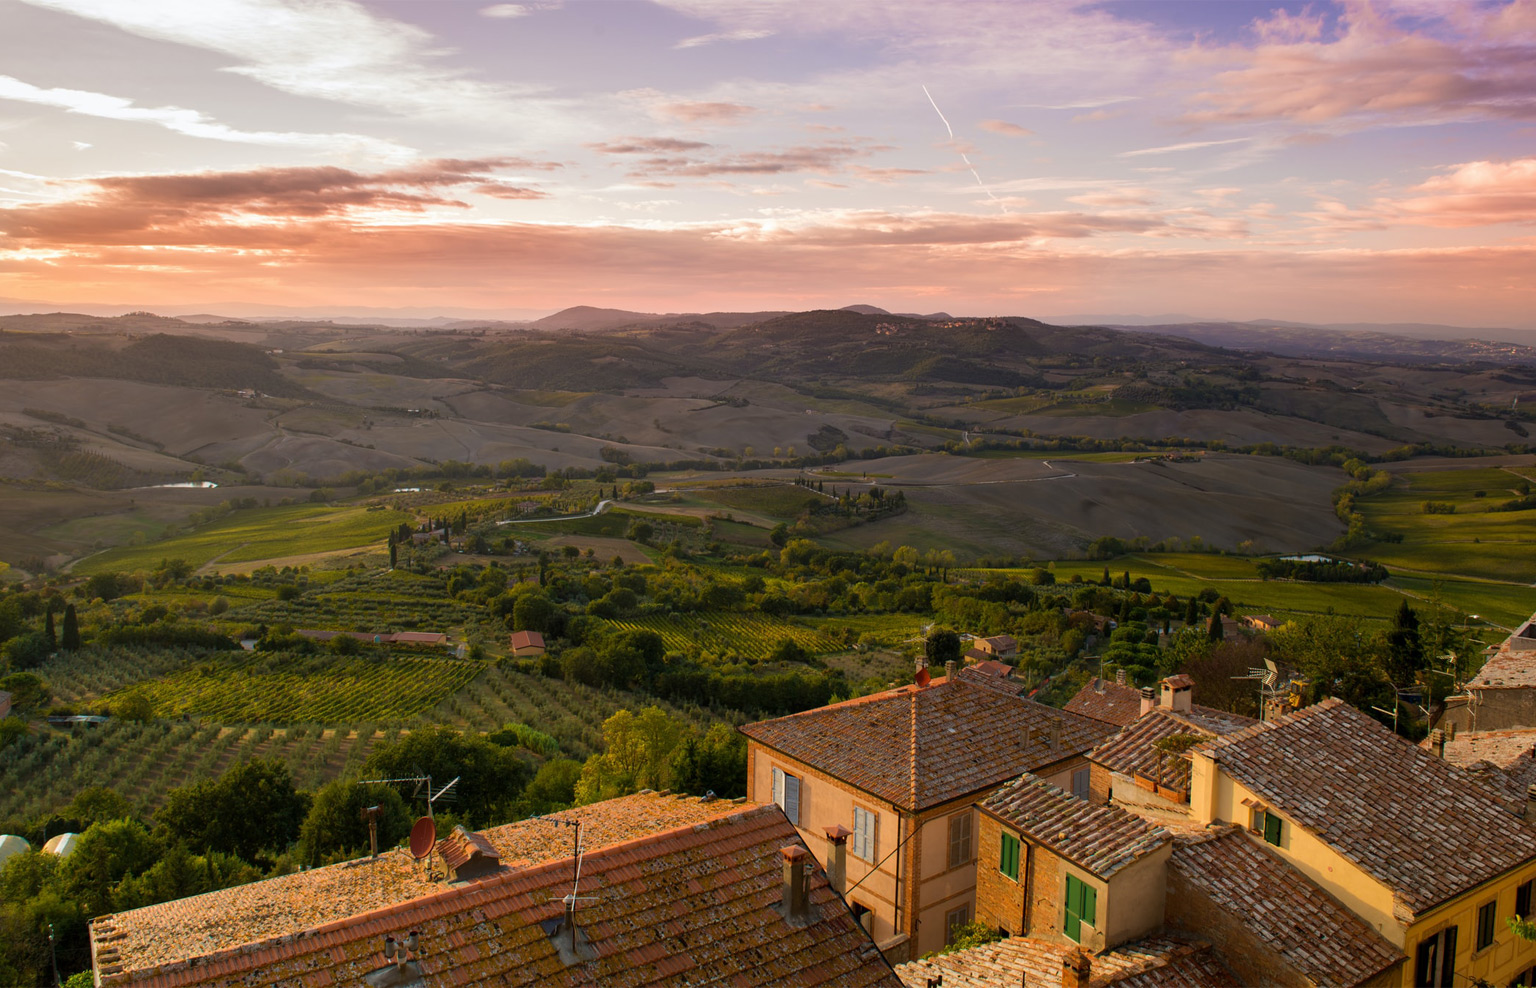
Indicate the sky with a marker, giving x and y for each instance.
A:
(1321, 162)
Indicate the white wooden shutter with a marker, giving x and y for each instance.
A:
(778, 788)
(792, 798)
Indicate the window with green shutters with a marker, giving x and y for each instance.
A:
(1008, 860)
(1271, 829)
(1081, 907)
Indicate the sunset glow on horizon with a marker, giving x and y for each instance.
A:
(1322, 162)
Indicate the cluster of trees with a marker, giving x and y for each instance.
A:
(650, 750)
(1322, 571)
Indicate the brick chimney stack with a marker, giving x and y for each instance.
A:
(1076, 969)
(1437, 742)
(797, 898)
(837, 855)
(1148, 700)
(949, 671)
(1119, 677)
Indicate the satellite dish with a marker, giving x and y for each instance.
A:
(423, 835)
(923, 678)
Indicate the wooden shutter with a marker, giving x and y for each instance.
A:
(1272, 829)
(778, 788)
(959, 839)
(1071, 925)
(1008, 860)
(792, 798)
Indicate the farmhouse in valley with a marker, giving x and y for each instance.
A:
(1502, 695)
(673, 890)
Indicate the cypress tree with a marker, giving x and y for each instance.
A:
(71, 637)
(1192, 612)
(1214, 631)
(53, 639)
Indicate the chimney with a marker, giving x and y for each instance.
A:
(837, 855)
(1055, 733)
(1148, 700)
(1178, 694)
(1076, 969)
(1119, 677)
(949, 671)
(1530, 804)
(1450, 730)
(1437, 742)
(797, 899)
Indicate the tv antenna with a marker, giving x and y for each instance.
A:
(448, 791)
(1270, 688)
(570, 900)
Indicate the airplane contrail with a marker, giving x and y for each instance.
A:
(963, 158)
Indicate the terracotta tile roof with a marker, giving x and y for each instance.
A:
(919, 747)
(1155, 962)
(527, 639)
(1504, 761)
(1341, 775)
(1102, 839)
(1134, 750)
(976, 655)
(1315, 933)
(1513, 666)
(1000, 643)
(1118, 704)
(992, 667)
(196, 926)
(696, 904)
(1107, 701)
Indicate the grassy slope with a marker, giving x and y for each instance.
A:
(255, 534)
(1474, 542)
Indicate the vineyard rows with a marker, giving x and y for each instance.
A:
(751, 635)
(42, 772)
(77, 678)
(571, 713)
(330, 689)
(370, 601)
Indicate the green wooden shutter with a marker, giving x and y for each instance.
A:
(1071, 926)
(1272, 829)
(1090, 910)
(1008, 861)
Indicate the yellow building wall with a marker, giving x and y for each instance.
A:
(1216, 796)
(1497, 964)
(826, 802)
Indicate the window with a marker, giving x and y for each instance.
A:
(863, 840)
(1485, 924)
(1435, 960)
(953, 920)
(1082, 907)
(1256, 820)
(786, 792)
(862, 915)
(1080, 787)
(1523, 900)
(1525, 979)
(1271, 829)
(959, 839)
(1008, 859)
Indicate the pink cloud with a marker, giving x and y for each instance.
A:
(1005, 128)
(705, 112)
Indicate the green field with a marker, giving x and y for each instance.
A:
(283, 688)
(775, 501)
(1235, 578)
(1474, 542)
(749, 634)
(255, 534)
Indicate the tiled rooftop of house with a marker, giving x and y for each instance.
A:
(1135, 751)
(1315, 933)
(1424, 828)
(1102, 839)
(185, 928)
(1504, 761)
(1116, 703)
(1513, 666)
(695, 904)
(1157, 962)
(920, 746)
